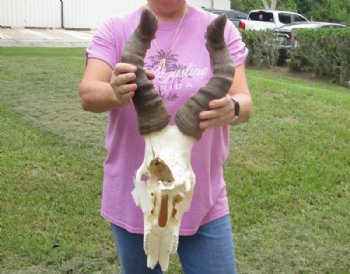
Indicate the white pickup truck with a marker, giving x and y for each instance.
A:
(269, 19)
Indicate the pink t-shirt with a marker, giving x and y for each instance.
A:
(187, 69)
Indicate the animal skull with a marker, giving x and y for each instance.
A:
(166, 194)
(169, 187)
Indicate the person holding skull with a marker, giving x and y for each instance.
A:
(178, 63)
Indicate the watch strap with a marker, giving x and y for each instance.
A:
(236, 107)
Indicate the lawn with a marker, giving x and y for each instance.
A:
(288, 174)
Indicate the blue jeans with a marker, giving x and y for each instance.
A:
(209, 251)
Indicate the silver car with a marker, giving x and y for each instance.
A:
(284, 34)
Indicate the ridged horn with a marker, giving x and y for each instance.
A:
(152, 114)
(187, 117)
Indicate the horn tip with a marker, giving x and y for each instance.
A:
(220, 21)
(148, 22)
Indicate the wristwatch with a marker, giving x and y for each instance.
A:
(237, 107)
(237, 111)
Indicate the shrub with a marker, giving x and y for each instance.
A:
(262, 47)
(324, 52)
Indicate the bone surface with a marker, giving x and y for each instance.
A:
(170, 200)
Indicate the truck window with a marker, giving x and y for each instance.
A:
(285, 18)
(298, 18)
(231, 14)
(261, 16)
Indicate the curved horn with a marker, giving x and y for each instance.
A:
(152, 114)
(187, 118)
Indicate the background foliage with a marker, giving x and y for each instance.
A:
(324, 52)
(263, 51)
(317, 10)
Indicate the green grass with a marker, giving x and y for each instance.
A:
(290, 178)
(288, 174)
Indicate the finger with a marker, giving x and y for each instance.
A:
(212, 123)
(218, 103)
(150, 74)
(123, 79)
(215, 118)
(216, 122)
(126, 98)
(216, 112)
(205, 125)
(209, 114)
(126, 88)
(121, 68)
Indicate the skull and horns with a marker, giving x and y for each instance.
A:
(167, 159)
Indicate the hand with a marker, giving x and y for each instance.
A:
(221, 113)
(122, 80)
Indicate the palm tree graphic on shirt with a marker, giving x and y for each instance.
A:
(167, 62)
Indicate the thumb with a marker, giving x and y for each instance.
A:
(150, 74)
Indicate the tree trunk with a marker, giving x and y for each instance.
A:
(273, 4)
(266, 5)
